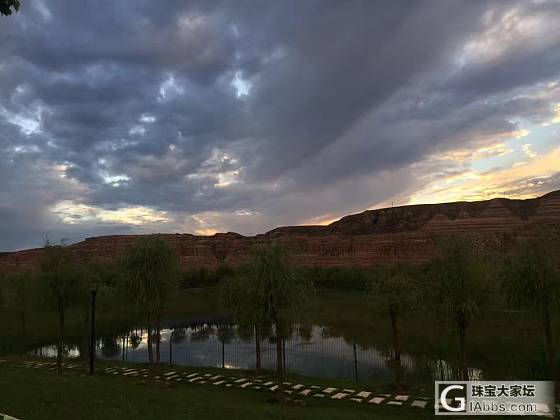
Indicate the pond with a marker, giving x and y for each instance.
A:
(312, 350)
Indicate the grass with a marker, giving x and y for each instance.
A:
(35, 394)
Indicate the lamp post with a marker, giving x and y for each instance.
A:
(93, 290)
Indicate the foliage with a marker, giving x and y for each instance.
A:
(344, 278)
(6, 7)
(267, 290)
(393, 290)
(531, 275)
(203, 277)
(150, 271)
(461, 279)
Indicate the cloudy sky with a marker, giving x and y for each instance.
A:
(204, 116)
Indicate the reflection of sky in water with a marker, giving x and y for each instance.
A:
(320, 356)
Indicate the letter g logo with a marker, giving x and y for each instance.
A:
(443, 398)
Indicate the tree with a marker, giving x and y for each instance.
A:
(151, 270)
(531, 280)
(393, 292)
(6, 7)
(461, 282)
(225, 334)
(19, 295)
(268, 291)
(61, 287)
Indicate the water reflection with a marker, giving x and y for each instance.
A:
(311, 350)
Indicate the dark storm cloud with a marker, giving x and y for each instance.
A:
(113, 105)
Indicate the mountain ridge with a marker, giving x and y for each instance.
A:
(371, 237)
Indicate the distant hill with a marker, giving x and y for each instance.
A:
(372, 237)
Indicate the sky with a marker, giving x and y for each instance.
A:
(123, 117)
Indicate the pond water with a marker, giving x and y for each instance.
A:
(311, 350)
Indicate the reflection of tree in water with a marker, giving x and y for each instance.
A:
(305, 331)
(202, 333)
(178, 335)
(135, 341)
(109, 347)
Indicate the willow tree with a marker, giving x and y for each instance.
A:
(268, 292)
(62, 288)
(393, 292)
(531, 281)
(19, 296)
(151, 270)
(462, 279)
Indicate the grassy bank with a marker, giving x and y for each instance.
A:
(35, 394)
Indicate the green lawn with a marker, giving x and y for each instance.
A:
(34, 394)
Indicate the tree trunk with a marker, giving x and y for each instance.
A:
(397, 348)
(150, 348)
(158, 338)
(223, 354)
(396, 340)
(60, 340)
(258, 348)
(464, 371)
(549, 343)
(279, 368)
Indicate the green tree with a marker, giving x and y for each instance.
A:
(531, 281)
(6, 7)
(461, 280)
(268, 292)
(393, 292)
(62, 288)
(151, 270)
(225, 334)
(18, 296)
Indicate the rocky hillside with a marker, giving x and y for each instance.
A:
(372, 237)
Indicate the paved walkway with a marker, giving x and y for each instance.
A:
(298, 390)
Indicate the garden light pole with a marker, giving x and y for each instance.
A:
(93, 290)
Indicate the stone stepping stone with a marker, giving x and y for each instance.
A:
(207, 375)
(229, 385)
(339, 396)
(320, 395)
(273, 388)
(192, 375)
(268, 383)
(240, 380)
(169, 373)
(314, 387)
(178, 380)
(402, 397)
(385, 395)
(192, 380)
(257, 387)
(287, 391)
(298, 386)
(329, 390)
(349, 391)
(363, 394)
(213, 378)
(358, 400)
(376, 400)
(287, 383)
(419, 403)
(306, 392)
(219, 382)
(398, 403)
(203, 382)
(245, 385)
